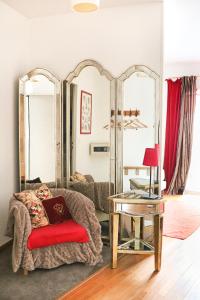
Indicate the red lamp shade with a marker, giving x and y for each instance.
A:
(151, 157)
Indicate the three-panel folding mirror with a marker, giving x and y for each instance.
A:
(101, 128)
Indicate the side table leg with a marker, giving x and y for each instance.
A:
(137, 233)
(111, 209)
(141, 228)
(120, 233)
(132, 227)
(158, 228)
(115, 228)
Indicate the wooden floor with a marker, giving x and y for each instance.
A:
(134, 279)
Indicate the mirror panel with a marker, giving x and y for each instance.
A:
(90, 99)
(138, 128)
(39, 128)
(89, 93)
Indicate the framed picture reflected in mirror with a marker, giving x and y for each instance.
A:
(86, 113)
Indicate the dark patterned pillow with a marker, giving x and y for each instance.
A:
(35, 180)
(56, 210)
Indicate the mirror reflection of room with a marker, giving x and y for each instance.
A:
(90, 111)
(89, 164)
(39, 127)
(139, 130)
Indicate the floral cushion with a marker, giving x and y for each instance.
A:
(78, 177)
(35, 208)
(43, 192)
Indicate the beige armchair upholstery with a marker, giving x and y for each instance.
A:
(19, 227)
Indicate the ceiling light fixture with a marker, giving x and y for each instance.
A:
(85, 5)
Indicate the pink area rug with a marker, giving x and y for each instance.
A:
(181, 217)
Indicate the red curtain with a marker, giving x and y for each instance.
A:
(172, 128)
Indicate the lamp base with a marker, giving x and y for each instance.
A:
(151, 197)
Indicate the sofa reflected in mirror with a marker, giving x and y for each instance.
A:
(98, 192)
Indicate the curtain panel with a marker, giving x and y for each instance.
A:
(172, 128)
(185, 135)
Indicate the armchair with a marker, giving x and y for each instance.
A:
(19, 227)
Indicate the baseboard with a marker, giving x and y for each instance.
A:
(8, 243)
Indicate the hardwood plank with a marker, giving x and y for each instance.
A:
(135, 279)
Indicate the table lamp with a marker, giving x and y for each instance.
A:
(150, 160)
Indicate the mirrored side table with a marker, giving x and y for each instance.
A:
(139, 209)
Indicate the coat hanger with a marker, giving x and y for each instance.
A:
(141, 124)
(130, 123)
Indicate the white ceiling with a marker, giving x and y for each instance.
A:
(41, 8)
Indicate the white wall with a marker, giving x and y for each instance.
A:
(13, 63)
(96, 165)
(182, 23)
(117, 38)
(181, 42)
(178, 69)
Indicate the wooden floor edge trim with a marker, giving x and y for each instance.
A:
(83, 282)
(8, 243)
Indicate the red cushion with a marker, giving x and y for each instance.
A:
(68, 231)
(56, 210)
